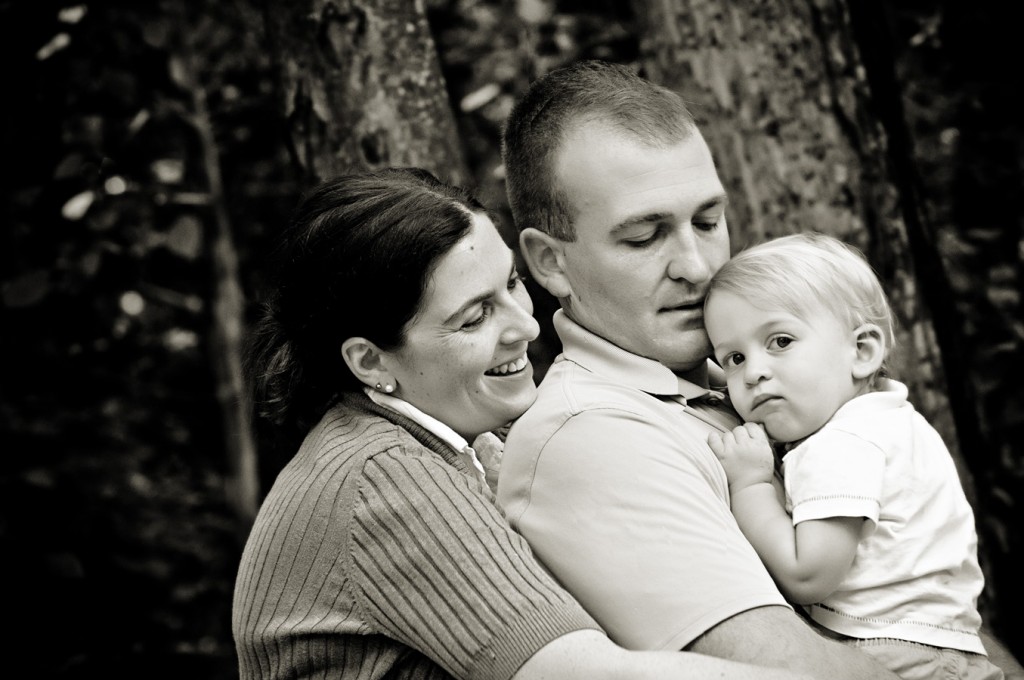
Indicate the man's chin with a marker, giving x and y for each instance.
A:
(684, 353)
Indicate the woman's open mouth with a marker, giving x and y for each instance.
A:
(510, 368)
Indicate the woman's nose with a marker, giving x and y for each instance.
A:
(521, 326)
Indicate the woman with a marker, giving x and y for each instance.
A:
(397, 335)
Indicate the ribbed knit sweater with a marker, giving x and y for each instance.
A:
(378, 553)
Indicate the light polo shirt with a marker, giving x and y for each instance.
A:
(610, 478)
(915, 575)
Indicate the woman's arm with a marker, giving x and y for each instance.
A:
(807, 561)
(589, 654)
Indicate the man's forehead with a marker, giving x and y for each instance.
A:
(632, 179)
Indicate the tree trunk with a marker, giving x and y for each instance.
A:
(363, 87)
(781, 95)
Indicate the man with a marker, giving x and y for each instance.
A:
(609, 475)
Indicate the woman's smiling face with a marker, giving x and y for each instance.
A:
(464, 360)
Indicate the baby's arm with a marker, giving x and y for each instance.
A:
(807, 562)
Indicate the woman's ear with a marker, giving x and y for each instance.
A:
(869, 350)
(544, 256)
(363, 358)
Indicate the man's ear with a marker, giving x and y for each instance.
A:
(545, 257)
(870, 350)
(365, 360)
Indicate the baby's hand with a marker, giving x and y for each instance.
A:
(745, 454)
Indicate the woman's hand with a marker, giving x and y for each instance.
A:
(746, 455)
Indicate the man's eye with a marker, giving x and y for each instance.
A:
(705, 224)
(515, 281)
(643, 242)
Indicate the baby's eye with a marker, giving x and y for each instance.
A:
(780, 342)
(732, 360)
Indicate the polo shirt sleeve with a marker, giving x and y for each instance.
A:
(634, 522)
(437, 568)
(835, 474)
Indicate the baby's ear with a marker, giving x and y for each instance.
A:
(870, 350)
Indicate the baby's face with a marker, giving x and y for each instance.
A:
(788, 373)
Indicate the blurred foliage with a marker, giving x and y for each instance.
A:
(124, 546)
(109, 415)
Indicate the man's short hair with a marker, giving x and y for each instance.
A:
(559, 102)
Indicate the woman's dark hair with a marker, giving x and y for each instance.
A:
(354, 261)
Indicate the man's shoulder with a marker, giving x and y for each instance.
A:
(572, 388)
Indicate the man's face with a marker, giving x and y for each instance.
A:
(650, 233)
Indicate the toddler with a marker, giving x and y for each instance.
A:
(874, 534)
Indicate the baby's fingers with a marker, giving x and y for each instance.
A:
(717, 444)
(755, 431)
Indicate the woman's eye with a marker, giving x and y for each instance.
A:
(705, 225)
(515, 281)
(476, 321)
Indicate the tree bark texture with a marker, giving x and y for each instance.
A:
(227, 323)
(363, 87)
(780, 94)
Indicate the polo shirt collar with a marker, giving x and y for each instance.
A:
(598, 355)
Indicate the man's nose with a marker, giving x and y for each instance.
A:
(687, 259)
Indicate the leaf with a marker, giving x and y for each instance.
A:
(132, 303)
(56, 44)
(78, 205)
(474, 100)
(179, 72)
(26, 290)
(69, 167)
(90, 263)
(186, 237)
(168, 170)
(534, 11)
(72, 15)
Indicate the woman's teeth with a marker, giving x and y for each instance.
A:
(511, 367)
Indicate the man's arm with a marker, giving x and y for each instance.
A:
(777, 636)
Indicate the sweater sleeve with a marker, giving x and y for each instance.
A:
(436, 566)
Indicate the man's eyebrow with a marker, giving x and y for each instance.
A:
(477, 299)
(719, 201)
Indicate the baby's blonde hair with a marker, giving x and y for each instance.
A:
(806, 273)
